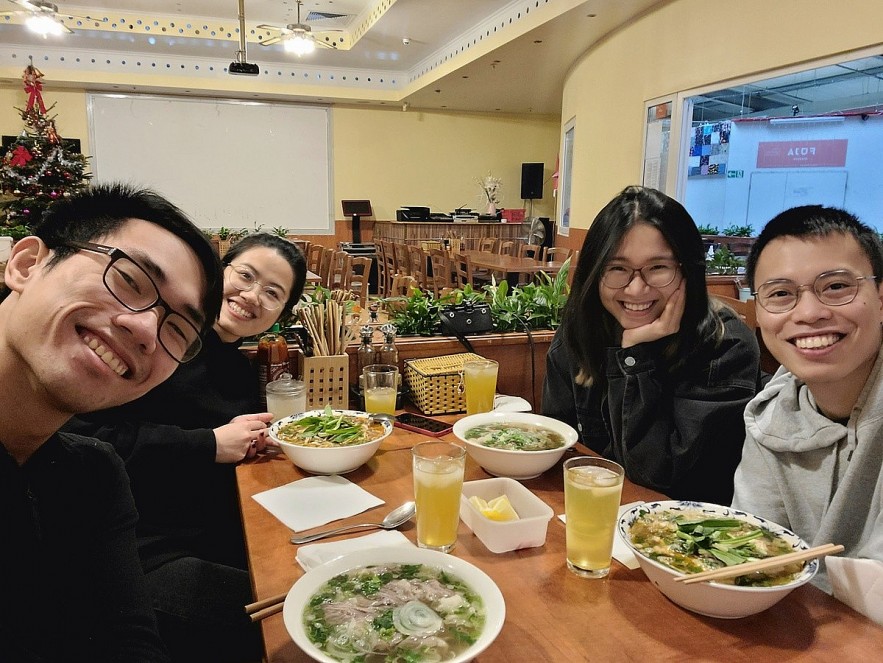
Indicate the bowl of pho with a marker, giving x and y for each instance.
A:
(674, 538)
(394, 603)
(519, 445)
(329, 441)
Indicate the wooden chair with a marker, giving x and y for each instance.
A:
(303, 244)
(357, 278)
(557, 253)
(314, 258)
(417, 265)
(534, 251)
(441, 272)
(340, 267)
(402, 260)
(325, 266)
(745, 310)
(463, 270)
(507, 248)
(389, 261)
(381, 269)
(487, 244)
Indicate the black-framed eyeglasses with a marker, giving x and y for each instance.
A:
(244, 280)
(834, 288)
(133, 287)
(657, 275)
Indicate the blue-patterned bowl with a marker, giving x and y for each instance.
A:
(710, 598)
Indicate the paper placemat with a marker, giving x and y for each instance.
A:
(314, 554)
(621, 551)
(315, 501)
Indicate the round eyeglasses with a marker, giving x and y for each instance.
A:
(133, 287)
(656, 275)
(244, 280)
(835, 288)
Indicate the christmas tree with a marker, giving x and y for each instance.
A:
(38, 168)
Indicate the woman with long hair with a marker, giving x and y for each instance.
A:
(652, 373)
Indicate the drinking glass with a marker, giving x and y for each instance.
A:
(592, 489)
(438, 482)
(480, 382)
(286, 396)
(381, 386)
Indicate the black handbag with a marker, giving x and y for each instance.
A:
(466, 318)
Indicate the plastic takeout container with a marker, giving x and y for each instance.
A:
(529, 531)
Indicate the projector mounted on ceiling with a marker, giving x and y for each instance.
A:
(241, 66)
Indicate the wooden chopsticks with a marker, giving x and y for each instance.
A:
(761, 564)
(260, 609)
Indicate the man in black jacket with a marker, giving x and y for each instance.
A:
(116, 289)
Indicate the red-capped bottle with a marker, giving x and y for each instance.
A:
(272, 360)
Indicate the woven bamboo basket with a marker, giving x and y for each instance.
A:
(326, 379)
(435, 382)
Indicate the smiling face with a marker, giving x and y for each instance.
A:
(831, 348)
(241, 313)
(76, 347)
(639, 304)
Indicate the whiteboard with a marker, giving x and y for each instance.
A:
(225, 163)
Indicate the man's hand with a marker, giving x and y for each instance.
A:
(243, 437)
(666, 324)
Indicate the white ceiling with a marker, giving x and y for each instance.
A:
(472, 55)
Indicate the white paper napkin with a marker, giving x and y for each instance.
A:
(859, 584)
(315, 501)
(312, 555)
(503, 403)
(621, 551)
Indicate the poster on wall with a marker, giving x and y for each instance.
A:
(709, 149)
(566, 177)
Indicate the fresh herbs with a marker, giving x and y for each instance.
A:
(330, 429)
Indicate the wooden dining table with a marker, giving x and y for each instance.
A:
(509, 265)
(552, 614)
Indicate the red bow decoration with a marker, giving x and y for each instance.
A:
(20, 156)
(33, 87)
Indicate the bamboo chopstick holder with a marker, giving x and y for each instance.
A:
(760, 565)
(270, 606)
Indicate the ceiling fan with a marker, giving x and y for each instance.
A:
(43, 17)
(298, 38)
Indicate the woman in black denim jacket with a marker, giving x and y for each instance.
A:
(652, 373)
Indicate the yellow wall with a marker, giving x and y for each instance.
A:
(683, 45)
(391, 157)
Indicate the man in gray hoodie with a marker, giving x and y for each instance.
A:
(813, 456)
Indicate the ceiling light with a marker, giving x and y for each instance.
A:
(300, 44)
(44, 25)
(816, 119)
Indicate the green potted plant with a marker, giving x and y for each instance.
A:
(724, 262)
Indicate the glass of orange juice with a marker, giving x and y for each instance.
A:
(592, 489)
(438, 482)
(380, 382)
(480, 382)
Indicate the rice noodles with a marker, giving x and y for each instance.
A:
(394, 612)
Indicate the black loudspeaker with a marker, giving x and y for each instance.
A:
(531, 181)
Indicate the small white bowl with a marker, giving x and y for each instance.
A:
(477, 580)
(514, 464)
(710, 598)
(529, 531)
(329, 460)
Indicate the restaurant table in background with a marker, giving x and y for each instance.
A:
(510, 265)
(551, 614)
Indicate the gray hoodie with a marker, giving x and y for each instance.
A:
(821, 479)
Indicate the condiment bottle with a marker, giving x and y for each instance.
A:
(272, 360)
(286, 396)
(388, 354)
(366, 354)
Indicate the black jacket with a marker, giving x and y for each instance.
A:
(187, 502)
(678, 433)
(71, 588)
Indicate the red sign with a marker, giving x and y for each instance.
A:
(801, 153)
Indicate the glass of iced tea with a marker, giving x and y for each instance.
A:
(592, 489)
(480, 383)
(380, 382)
(438, 482)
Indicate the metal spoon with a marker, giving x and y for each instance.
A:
(394, 518)
(381, 417)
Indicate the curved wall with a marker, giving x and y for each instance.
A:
(682, 45)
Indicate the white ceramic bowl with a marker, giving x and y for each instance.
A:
(328, 460)
(514, 464)
(477, 580)
(710, 598)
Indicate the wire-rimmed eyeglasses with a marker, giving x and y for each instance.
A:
(244, 280)
(834, 288)
(657, 275)
(133, 287)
